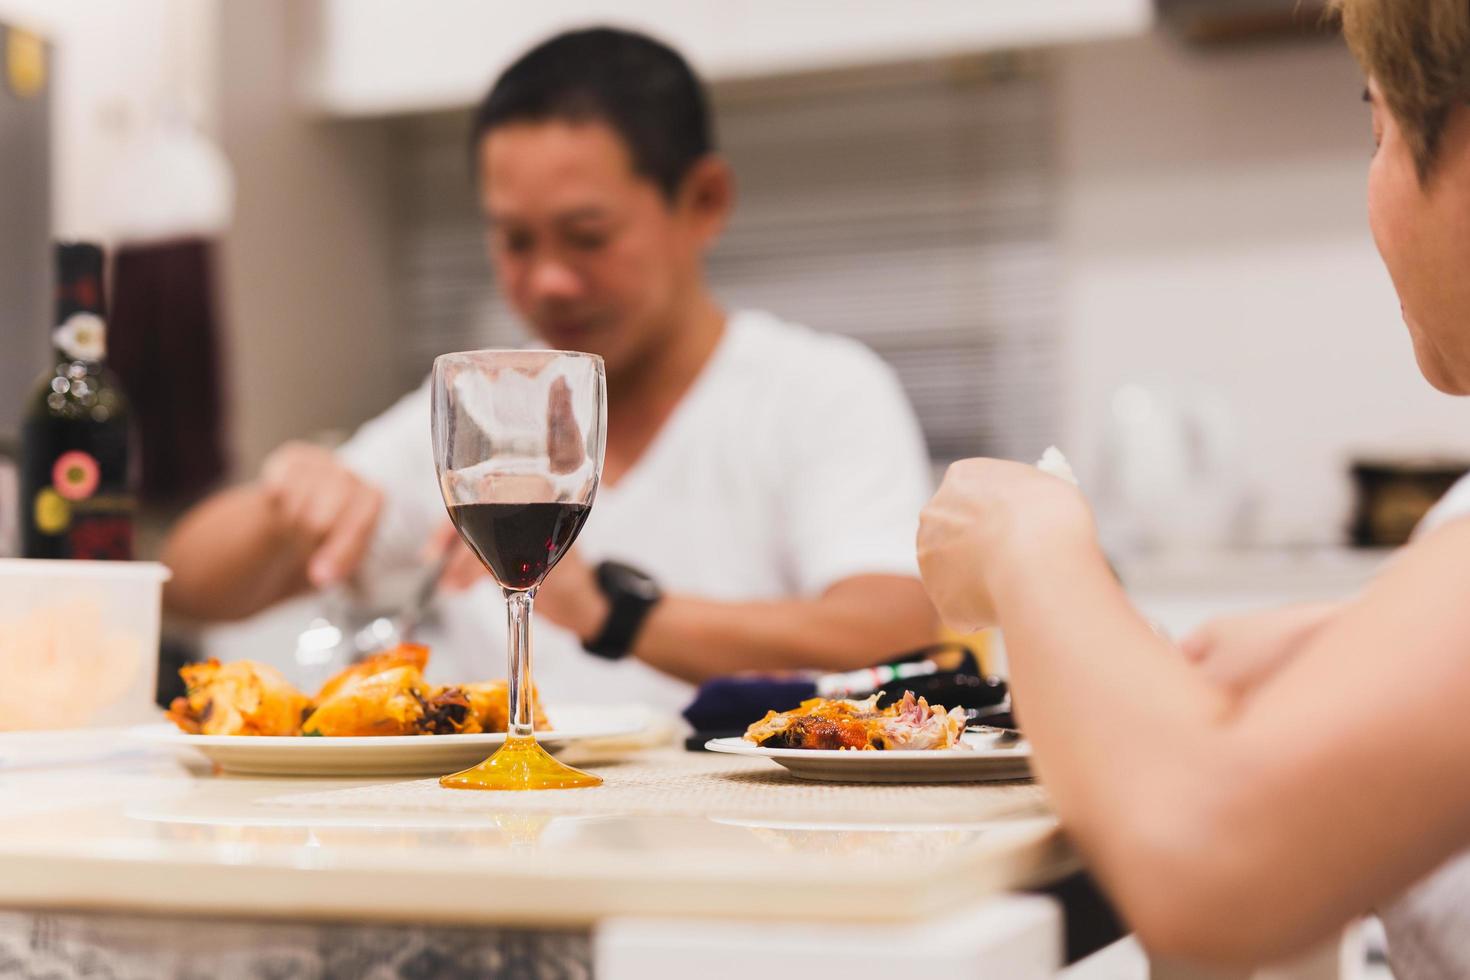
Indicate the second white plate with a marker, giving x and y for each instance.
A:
(388, 755)
(981, 762)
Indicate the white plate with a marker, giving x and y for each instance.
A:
(852, 826)
(387, 755)
(980, 762)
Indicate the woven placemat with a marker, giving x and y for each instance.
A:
(702, 784)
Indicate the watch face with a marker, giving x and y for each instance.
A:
(644, 587)
(616, 577)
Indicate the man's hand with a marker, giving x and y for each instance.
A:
(1239, 652)
(985, 513)
(317, 499)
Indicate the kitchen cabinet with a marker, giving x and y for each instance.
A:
(379, 57)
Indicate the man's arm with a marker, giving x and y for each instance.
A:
(1227, 830)
(307, 522)
(857, 622)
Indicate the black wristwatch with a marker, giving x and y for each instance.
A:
(631, 595)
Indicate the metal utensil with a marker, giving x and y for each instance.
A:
(332, 642)
(1005, 737)
(383, 632)
(1001, 707)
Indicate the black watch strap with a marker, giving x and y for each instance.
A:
(631, 596)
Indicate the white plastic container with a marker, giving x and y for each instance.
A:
(78, 642)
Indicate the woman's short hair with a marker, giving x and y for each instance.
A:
(1418, 51)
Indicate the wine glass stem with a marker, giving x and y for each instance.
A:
(518, 607)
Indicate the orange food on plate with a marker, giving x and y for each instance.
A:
(403, 655)
(242, 698)
(385, 694)
(906, 725)
(394, 701)
(490, 702)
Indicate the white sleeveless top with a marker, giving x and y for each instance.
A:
(1428, 928)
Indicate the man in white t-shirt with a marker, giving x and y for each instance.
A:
(762, 481)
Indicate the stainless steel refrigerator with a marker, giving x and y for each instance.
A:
(25, 220)
(25, 256)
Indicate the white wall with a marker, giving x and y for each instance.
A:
(1213, 225)
(115, 60)
(305, 266)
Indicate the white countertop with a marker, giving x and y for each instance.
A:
(90, 820)
(1304, 571)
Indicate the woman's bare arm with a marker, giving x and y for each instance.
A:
(1239, 833)
(1239, 652)
(1227, 829)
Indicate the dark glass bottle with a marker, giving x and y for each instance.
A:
(76, 494)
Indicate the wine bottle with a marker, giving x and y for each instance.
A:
(75, 489)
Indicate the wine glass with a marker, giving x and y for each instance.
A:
(518, 443)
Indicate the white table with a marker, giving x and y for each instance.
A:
(93, 827)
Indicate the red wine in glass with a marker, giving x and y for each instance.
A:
(519, 543)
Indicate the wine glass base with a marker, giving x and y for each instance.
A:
(520, 764)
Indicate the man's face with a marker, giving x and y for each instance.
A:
(590, 253)
(1423, 234)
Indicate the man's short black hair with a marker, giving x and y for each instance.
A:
(640, 87)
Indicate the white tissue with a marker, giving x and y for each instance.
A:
(1052, 462)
